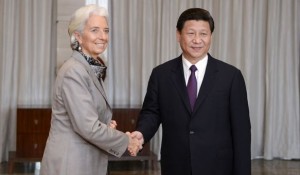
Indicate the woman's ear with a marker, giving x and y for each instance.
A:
(77, 35)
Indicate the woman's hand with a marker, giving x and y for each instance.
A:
(113, 124)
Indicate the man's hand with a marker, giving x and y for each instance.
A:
(136, 142)
(139, 136)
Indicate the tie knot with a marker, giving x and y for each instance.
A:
(193, 68)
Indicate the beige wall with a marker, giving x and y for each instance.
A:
(65, 9)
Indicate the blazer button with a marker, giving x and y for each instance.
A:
(192, 132)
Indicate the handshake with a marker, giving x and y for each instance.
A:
(136, 141)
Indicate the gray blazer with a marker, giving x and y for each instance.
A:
(79, 139)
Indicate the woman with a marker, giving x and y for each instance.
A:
(82, 133)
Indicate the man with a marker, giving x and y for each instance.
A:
(206, 131)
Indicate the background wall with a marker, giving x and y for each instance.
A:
(65, 8)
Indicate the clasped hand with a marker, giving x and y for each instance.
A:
(136, 141)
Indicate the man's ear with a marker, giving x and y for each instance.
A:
(178, 34)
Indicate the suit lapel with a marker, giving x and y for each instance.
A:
(179, 82)
(208, 81)
(97, 83)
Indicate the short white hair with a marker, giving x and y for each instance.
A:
(79, 18)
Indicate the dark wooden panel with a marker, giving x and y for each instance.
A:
(126, 118)
(33, 125)
(33, 120)
(31, 145)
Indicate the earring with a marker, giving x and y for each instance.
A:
(77, 46)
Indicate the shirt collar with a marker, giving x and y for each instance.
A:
(200, 64)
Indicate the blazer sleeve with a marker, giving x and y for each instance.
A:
(81, 108)
(241, 129)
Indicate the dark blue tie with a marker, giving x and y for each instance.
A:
(192, 86)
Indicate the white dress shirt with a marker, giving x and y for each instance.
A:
(201, 67)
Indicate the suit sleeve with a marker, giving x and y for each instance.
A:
(83, 114)
(241, 128)
(149, 119)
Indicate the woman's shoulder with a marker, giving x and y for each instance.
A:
(72, 66)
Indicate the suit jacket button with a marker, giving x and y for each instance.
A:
(192, 132)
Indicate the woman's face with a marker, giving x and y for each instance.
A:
(94, 37)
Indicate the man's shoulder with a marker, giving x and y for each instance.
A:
(170, 63)
(223, 65)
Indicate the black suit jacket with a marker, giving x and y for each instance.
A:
(214, 139)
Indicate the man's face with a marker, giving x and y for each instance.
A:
(194, 39)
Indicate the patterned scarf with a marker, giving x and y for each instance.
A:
(98, 66)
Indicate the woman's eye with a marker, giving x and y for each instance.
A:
(94, 30)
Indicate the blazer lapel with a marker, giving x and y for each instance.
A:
(208, 81)
(97, 83)
(179, 82)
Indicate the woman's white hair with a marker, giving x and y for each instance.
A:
(79, 18)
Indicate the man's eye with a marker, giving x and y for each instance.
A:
(106, 31)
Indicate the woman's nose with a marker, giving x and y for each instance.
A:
(103, 35)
